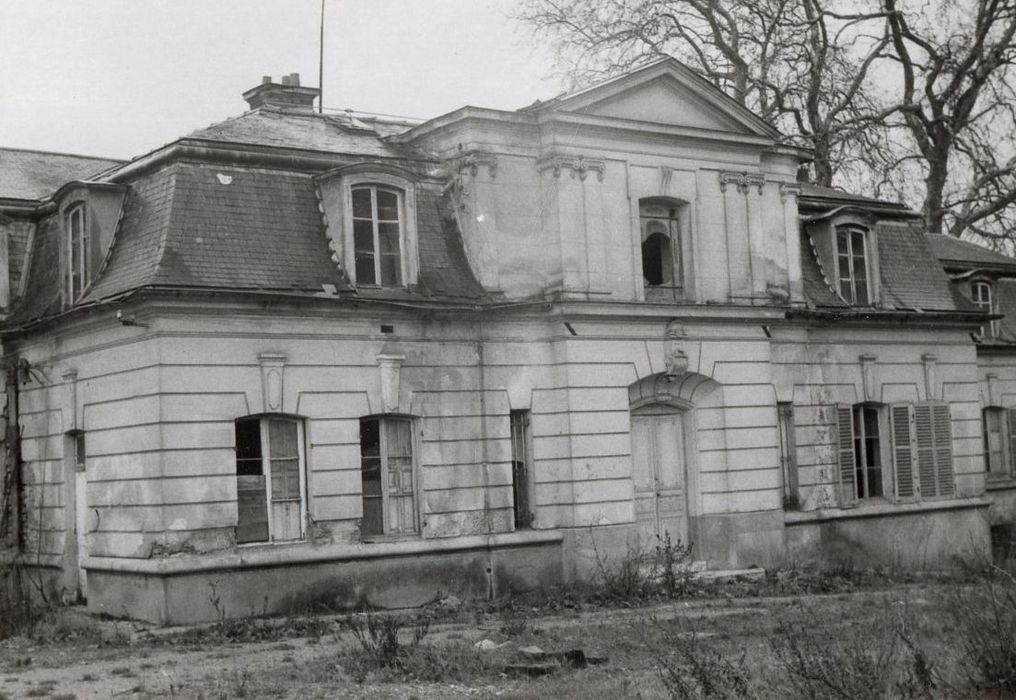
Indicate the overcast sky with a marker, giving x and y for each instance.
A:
(122, 77)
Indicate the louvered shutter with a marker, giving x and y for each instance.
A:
(943, 449)
(925, 438)
(934, 449)
(845, 455)
(1007, 466)
(900, 417)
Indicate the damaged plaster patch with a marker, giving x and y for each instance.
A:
(224, 179)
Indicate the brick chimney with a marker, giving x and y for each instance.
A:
(287, 94)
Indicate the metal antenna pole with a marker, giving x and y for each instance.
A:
(321, 62)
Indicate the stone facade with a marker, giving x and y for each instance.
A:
(609, 317)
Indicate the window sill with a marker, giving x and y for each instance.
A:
(885, 508)
(1000, 483)
(268, 555)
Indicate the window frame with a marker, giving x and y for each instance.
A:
(520, 422)
(376, 223)
(1007, 442)
(76, 281)
(990, 329)
(849, 228)
(266, 471)
(788, 455)
(676, 226)
(388, 178)
(416, 526)
(916, 438)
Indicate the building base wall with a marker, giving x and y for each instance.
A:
(938, 537)
(201, 589)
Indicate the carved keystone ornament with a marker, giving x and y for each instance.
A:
(675, 358)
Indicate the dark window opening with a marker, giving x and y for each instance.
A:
(867, 452)
(656, 260)
(269, 492)
(788, 454)
(387, 476)
(520, 469)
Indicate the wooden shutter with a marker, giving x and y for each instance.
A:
(934, 449)
(902, 428)
(943, 449)
(845, 455)
(925, 439)
(1007, 462)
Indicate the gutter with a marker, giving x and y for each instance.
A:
(279, 294)
(965, 317)
(249, 154)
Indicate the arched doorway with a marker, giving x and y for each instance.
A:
(664, 452)
(659, 471)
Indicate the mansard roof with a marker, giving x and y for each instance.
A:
(235, 207)
(910, 276)
(34, 175)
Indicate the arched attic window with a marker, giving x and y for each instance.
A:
(662, 260)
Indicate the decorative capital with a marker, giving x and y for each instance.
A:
(743, 181)
(472, 162)
(789, 189)
(580, 166)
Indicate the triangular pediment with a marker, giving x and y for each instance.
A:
(666, 93)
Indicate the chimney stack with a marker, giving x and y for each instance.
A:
(288, 94)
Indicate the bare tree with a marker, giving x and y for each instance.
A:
(956, 102)
(796, 63)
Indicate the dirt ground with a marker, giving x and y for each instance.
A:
(73, 655)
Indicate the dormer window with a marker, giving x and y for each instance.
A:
(662, 259)
(852, 264)
(78, 271)
(370, 209)
(377, 235)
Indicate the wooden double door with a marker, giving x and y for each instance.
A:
(659, 470)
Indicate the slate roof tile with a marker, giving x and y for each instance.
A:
(910, 273)
(954, 250)
(304, 130)
(35, 175)
(816, 289)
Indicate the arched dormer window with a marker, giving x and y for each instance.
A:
(371, 213)
(78, 271)
(845, 241)
(662, 259)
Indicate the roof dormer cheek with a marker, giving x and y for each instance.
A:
(88, 214)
